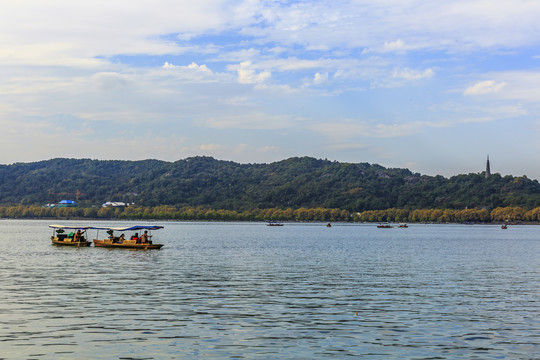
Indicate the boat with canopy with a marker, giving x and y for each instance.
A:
(132, 241)
(75, 236)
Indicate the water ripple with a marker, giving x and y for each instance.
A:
(248, 291)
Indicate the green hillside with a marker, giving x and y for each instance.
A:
(292, 183)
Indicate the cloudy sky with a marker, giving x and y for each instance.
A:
(433, 86)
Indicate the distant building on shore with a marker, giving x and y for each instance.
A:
(488, 170)
(115, 204)
(67, 203)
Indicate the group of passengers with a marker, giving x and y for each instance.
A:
(143, 239)
(76, 237)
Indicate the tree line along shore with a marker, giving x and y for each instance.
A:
(167, 212)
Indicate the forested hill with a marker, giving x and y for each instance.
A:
(292, 183)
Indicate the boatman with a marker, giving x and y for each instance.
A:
(144, 237)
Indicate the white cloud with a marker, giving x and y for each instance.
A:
(248, 75)
(193, 66)
(121, 116)
(202, 68)
(267, 149)
(109, 80)
(469, 120)
(276, 89)
(67, 32)
(62, 31)
(210, 147)
(410, 74)
(252, 120)
(235, 101)
(295, 64)
(485, 87)
(192, 73)
(519, 85)
(399, 77)
(358, 129)
(320, 78)
(344, 130)
(394, 45)
(451, 25)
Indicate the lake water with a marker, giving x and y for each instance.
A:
(249, 291)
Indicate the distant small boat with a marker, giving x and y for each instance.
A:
(274, 224)
(403, 226)
(328, 225)
(384, 226)
(503, 226)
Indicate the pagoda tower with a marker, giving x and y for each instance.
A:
(488, 170)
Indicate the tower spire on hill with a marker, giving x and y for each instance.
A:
(488, 170)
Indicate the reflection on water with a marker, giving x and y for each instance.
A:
(222, 290)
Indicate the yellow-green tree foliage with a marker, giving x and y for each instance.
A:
(500, 214)
(503, 214)
(533, 215)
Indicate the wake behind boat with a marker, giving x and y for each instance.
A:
(74, 238)
(134, 241)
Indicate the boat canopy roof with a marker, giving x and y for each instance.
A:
(129, 228)
(73, 227)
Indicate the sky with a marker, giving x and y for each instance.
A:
(432, 86)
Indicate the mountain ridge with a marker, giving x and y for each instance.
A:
(290, 183)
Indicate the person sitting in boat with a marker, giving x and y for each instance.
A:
(144, 237)
(120, 239)
(135, 237)
(70, 235)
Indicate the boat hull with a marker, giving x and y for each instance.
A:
(127, 244)
(71, 243)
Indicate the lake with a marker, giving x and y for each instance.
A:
(249, 291)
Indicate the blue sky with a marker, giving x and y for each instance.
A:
(430, 86)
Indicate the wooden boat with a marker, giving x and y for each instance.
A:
(403, 226)
(74, 238)
(503, 226)
(143, 242)
(274, 224)
(384, 226)
(328, 225)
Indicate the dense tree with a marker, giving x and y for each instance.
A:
(295, 183)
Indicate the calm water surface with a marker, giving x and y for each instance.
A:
(227, 290)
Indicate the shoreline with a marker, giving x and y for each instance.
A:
(512, 223)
